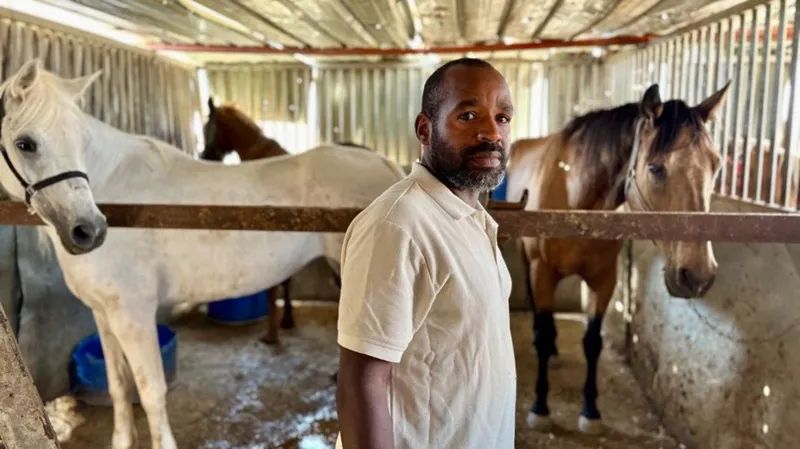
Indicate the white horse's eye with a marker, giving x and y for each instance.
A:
(26, 144)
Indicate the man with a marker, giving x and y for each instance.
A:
(426, 356)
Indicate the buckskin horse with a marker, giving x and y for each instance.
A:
(651, 155)
(62, 161)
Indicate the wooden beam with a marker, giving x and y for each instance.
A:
(686, 226)
(24, 423)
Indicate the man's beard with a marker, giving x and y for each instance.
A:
(452, 167)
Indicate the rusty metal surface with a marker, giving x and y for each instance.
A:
(687, 226)
(23, 421)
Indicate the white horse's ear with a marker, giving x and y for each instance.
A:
(78, 86)
(25, 78)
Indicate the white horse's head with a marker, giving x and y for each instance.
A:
(43, 137)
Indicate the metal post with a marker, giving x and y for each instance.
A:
(24, 424)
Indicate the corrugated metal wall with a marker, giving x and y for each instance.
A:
(265, 92)
(138, 92)
(376, 104)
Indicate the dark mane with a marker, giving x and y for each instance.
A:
(606, 135)
(603, 139)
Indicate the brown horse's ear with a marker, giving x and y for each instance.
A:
(651, 106)
(710, 107)
(211, 108)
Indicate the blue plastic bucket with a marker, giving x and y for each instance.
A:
(242, 310)
(499, 194)
(88, 378)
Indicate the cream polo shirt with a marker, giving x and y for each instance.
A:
(424, 286)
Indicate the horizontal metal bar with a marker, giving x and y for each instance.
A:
(685, 226)
(538, 44)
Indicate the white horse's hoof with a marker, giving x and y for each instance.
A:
(541, 423)
(591, 426)
(124, 440)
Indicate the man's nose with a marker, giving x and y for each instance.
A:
(489, 132)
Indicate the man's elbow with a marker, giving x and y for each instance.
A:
(360, 373)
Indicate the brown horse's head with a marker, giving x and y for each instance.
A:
(676, 165)
(217, 146)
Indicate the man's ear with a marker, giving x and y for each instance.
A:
(422, 126)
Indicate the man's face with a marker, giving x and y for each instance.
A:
(470, 134)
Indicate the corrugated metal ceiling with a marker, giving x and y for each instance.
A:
(391, 23)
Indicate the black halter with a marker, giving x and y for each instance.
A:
(630, 179)
(31, 189)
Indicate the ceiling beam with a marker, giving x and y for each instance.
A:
(270, 23)
(599, 19)
(541, 44)
(541, 27)
(313, 24)
(505, 18)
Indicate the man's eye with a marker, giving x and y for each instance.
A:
(504, 119)
(467, 116)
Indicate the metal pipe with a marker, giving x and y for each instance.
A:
(730, 109)
(790, 134)
(535, 45)
(750, 108)
(763, 109)
(738, 108)
(776, 105)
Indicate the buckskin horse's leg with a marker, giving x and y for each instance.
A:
(601, 289)
(544, 281)
(531, 300)
(287, 322)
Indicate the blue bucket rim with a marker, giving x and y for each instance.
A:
(81, 353)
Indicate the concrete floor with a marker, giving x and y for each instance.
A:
(234, 392)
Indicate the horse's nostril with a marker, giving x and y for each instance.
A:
(686, 278)
(82, 234)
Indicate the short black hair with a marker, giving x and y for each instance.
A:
(432, 92)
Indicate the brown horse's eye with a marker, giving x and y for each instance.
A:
(657, 170)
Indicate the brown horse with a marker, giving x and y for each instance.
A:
(227, 130)
(656, 157)
(230, 130)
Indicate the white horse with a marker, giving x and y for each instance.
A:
(123, 274)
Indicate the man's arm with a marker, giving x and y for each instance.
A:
(386, 293)
(364, 421)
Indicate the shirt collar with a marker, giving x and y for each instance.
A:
(444, 197)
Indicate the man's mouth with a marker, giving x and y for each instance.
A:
(485, 159)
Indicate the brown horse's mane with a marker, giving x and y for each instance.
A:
(603, 138)
(605, 132)
(250, 124)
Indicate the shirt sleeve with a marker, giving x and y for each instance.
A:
(386, 291)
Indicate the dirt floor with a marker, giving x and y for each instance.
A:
(233, 392)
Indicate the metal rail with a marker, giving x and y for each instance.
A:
(684, 226)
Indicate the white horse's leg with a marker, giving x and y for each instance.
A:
(137, 334)
(119, 386)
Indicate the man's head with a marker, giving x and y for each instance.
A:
(464, 124)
